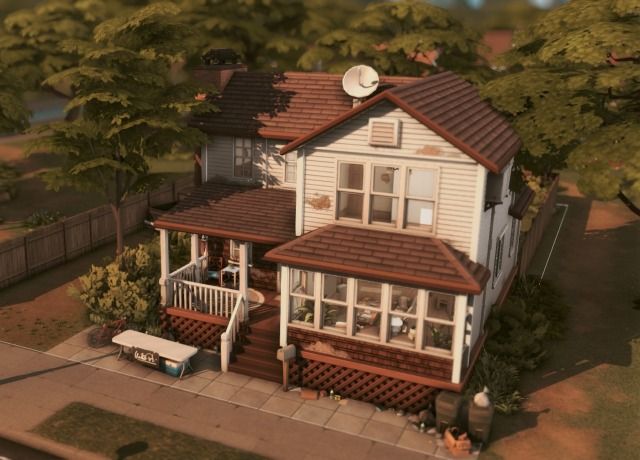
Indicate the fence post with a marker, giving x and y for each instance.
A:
(26, 255)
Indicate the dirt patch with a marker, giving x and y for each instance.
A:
(44, 321)
(609, 215)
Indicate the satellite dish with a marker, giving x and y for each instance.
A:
(360, 81)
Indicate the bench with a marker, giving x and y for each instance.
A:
(147, 349)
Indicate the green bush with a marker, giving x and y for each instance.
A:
(532, 315)
(501, 378)
(8, 177)
(42, 217)
(126, 288)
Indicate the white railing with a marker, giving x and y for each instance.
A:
(213, 300)
(191, 271)
(229, 337)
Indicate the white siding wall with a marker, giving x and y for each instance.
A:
(501, 222)
(268, 165)
(419, 147)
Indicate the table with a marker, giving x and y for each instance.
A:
(234, 270)
(167, 349)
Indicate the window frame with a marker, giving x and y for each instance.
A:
(427, 319)
(373, 194)
(236, 261)
(241, 148)
(290, 161)
(430, 228)
(297, 295)
(362, 192)
(498, 257)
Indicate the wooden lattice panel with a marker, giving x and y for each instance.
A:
(193, 332)
(360, 385)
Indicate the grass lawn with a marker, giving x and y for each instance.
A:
(117, 436)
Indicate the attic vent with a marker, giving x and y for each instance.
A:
(383, 131)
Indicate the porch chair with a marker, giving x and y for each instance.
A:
(216, 264)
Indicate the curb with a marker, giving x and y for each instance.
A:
(48, 446)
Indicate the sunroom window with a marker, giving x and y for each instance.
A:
(334, 303)
(438, 328)
(302, 297)
(368, 309)
(403, 315)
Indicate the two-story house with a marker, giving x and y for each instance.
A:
(374, 235)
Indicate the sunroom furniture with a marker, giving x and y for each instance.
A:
(172, 351)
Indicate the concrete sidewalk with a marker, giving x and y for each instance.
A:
(34, 385)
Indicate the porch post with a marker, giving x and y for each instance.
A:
(165, 291)
(459, 318)
(195, 253)
(244, 276)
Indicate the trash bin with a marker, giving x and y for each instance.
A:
(447, 410)
(480, 419)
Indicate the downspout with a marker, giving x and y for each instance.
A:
(488, 261)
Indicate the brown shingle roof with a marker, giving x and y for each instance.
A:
(453, 109)
(386, 256)
(280, 106)
(260, 215)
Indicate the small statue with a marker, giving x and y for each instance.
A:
(482, 399)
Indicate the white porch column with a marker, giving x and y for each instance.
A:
(165, 293)
(284, 304)
(244, 276)
(195, 253)
(459, 319)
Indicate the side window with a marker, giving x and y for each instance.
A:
(243, 157)
(290, 167)
(497, 263)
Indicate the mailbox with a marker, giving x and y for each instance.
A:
(286, 353)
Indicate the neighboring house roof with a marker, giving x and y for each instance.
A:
(498, 41)
(384, 256)
(520, 206)
(259, 215)
(453, 109)
(280, 106)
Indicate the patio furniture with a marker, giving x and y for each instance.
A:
(147, 349)
(232, 269)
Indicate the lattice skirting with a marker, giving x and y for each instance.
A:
(362, 386)
(193, 332)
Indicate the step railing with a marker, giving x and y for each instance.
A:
(204, 298)
(231, 335)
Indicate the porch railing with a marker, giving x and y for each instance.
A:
(230, 336)
(192, 271)
(213, 300)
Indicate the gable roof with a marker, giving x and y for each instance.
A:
(384, 256)
(280, 106)
(453, 109)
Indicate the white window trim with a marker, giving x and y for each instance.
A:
(233, 157)
(498, 274)
(367, 191)
(385, 311)
(396, 132)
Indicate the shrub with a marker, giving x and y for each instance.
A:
(8, 177)
(501, 378)
(42, 217)
(126, 288)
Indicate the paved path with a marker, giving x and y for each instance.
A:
(34, 385)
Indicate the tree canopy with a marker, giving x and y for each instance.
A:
(131, 110)
(408, 37)
(574, 94)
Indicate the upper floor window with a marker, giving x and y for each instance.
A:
(243, 157)
(290, 167)
(350, 190)
(497, 263)
(388, 200)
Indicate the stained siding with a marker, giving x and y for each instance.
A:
(456, 182)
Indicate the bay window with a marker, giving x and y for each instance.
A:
(401, 316)
(350, 190)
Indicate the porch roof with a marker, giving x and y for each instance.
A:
(259, 215)
(384, 256)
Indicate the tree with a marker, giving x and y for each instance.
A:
(408, 37)
(265, 33)
(573, 93)
(131, 110)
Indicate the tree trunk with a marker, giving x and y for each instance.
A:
(115, 209)
(628, 203)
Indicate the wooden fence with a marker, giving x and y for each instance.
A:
(530, 240)
(57, 243)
